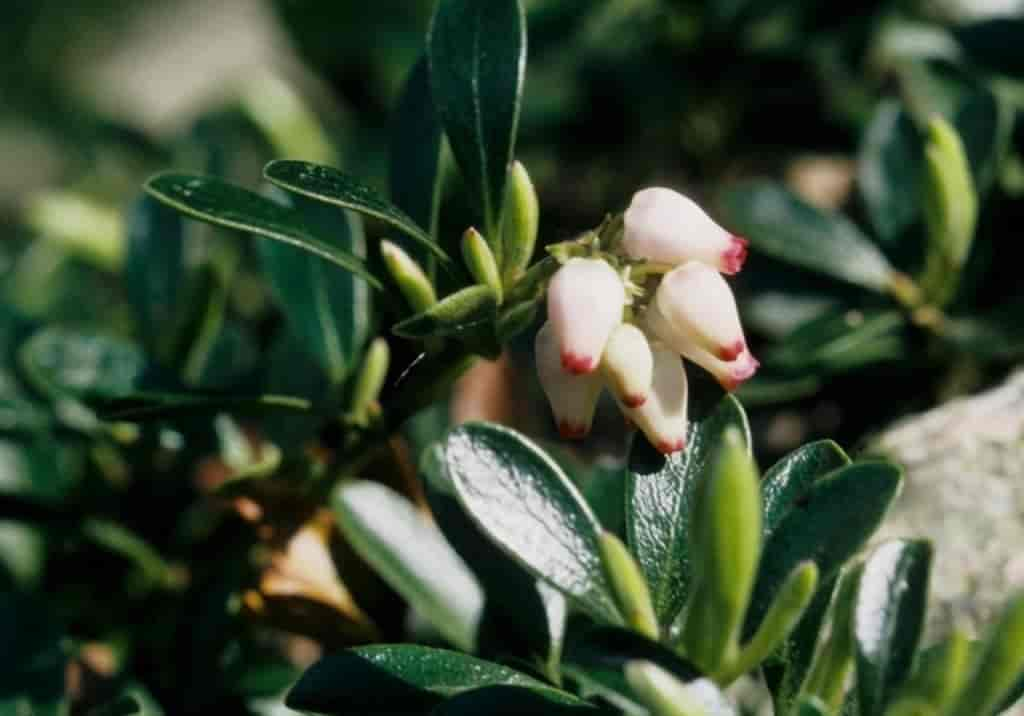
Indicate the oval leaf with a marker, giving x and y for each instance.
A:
(217, 202)
(828, 525)
(412, 556)
(888, 619)
(889, 170)
(82, 364)
(455, 315)
(520, 498)
(332, 186)
(790, 478)
(659, 494)
(841, 340)
(477, 54)
(398, 678)
(780, 224)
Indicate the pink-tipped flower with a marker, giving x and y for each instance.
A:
(573, 398)
(730, 374)
(666, 227)
(585, 302)
(662, 417)
(628, 365)
(700, 307)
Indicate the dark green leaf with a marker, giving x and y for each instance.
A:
(513, 701)
(412, 556)
(983, 128)
(63, 361)
(995, 44)
(889, 170)
(889, 618)
(217, 202)
(154, 267)
(36, 470)
(400, 678)
(597, 657)
(521, 499)
(659, 494)
(332, 186)
(456, 315)
(833, 519)
(416, 169)
(792, 476)
(811, 706)
(842, 340)
(329, 312)
(134, 700)
(781, 225)
(477, 57)
(32, 680)
(142, 406)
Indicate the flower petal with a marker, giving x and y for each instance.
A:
(585, 302)
(662, 417)
(573, 398)
(628, 365)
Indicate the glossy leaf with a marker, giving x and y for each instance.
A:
(154, 267)
(889, 170)
(889, 619)
(596, 658)
(659, 495)
(329, 312)
(513, 701)
(332, 186)
(822, 527)
(477, 57)
(416, 169)
(220, 203)
(792, 476)
(457, 315)
(412, 556)
(65, 361)
(781, 225)
(524, 502)
(994, 44)
(398, 678)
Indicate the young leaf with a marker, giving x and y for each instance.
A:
(889, 170)
(659, 494)
(825, 528)
(217, 202)
(398, 678)
(477, 57)
(416, 169)
(888, 619)
(521, 499)
(328, 312)
(788, 479)
(781, 225)
(454, 315)
(332, 186)
(412, 556)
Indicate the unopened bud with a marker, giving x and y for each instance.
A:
(410, 278)
(700, 307)
(519, 225)
(573, 398)
(585, 302)
(628, 585)
(661, 692)
(628, 365)
(662, 417)
(480, 261)
(371, 379)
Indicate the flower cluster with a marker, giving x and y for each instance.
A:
(621, 315)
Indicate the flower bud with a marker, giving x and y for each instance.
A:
(573, 398)
(662, 417)
(699, 305)
(585, 302)
(629, 587)
(412, 281)
(480, 261)
(520, 222)
(664, 226)
(628, 365)
(730, 374)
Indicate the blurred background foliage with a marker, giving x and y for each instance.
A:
(126, 574)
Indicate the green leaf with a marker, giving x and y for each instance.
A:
(456, 315)
(999, 667)
(596, 658)
(792, 476)
(822, 527)
(36, 470)
(994, 44)
(521, 499)
(412, 556)
(659, 495)
(477, 57)
(222, 204)
(64, 361)
(513, 701)
(143, 406)
(332, 186)
(398, 678)
(134, 700)
(328, 312)
(783, 226)
(416, 169)
(889, 618)
(841, 340)
(889, 171)
(154, 268)
(32, 680)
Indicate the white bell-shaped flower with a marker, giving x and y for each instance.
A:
(730, 374)
(585, 302)
(663, 226)
(573, 397)
(628, 365)
(662, 417)
(699, 305)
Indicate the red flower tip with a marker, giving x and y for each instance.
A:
(634, 401)
(667, 447)
(731, 353)
(734, 257)
(571, 431)
(578, 364)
